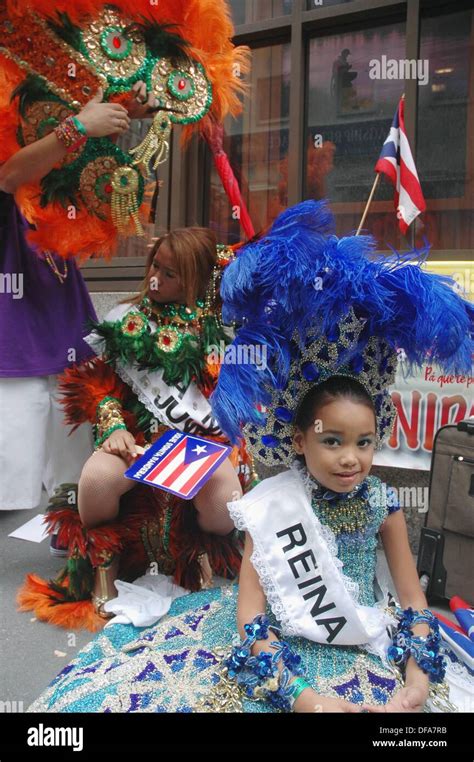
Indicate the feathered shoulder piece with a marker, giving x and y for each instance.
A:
(54, 56)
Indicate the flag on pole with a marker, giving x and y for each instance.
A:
(179, 463)
(396, 162)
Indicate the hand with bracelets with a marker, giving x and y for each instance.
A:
(111, 432)
(96, 120)
(260, 676)
(420, 659)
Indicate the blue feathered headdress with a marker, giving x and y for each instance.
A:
(301, 283)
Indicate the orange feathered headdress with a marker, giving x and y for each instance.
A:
(181, 48)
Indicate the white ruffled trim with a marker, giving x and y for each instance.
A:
(458, 671)
(461, 690)
(235, 512)
(271, 593)
(257, 560)
(120, 370)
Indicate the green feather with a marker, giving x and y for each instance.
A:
(57, 186)
(67, 31)
(159, 39)
(31, 90)
(178, 367)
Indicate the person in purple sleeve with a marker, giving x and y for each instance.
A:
(44, 305)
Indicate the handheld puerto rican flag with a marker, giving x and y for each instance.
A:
(179, 463)
(396, 161)
(464, 614)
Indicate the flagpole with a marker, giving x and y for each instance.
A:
(374, 186)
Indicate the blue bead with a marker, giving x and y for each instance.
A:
(283, 414)
(310, 372)
(270, 441)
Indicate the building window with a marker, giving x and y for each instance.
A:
(445, 143)
(248, 11)
(312, 4)
(349, 117)
(257, 146)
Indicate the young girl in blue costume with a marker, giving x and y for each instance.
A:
(310, 615)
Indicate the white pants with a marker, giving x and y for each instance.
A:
(35, 449)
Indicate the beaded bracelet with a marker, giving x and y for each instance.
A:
(70, 134)
(109, 419)
(259, 675)
(426, 651)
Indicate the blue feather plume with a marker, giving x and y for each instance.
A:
(301, 277)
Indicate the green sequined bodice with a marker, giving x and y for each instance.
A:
(355, 521)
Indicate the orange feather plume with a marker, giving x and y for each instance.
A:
(37, 596)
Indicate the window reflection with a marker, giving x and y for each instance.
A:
(349, 116)
(257, 146)
(247, 11)
(445, 131)
(312, 4)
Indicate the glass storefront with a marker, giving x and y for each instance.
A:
(445, 135)
(348, 113)
(248, 11)
(348, 118)
(257, 147)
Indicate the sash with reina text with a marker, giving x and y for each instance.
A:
(297, 570)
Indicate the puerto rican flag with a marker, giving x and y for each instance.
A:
(461, 645)
(464, 614)
(179, 463)
(396, 161)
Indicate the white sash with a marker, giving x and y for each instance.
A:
(178, 406)
(301, 578)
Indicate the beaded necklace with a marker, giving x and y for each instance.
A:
(170, 337)
(342, 512)
(348, 516)
(175, 322)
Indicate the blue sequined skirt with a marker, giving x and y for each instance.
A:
(173, 665)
